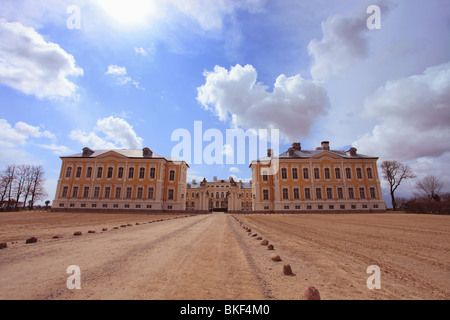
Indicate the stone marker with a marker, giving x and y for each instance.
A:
(3, 245)
(31, 240)
(287, 270)
(270, 247)
(275, 257)
(105, 229)
(91, 231)
(77, 233)
(311, 293)
(58, 236)
(265, 242)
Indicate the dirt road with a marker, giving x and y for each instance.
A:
(212, 257)
(191, 258)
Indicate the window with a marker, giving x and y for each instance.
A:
(120, 173)
(329, 193)
(294, 173)
(96, 192)
(141, 173)
(316, 173)
(351, 194)
(94, 205)
(75, 192)
(222, 195)
(369, 173)
(86, 192)
(131, 173)
(305, 173)
(286, 207)
(68, 172)
(266, 194)
(107, 192)
(65, 192)
(140, 192)
(297, 207)
(337, 173)
(348, 173)
(320, 207)
(358, 173)
(283, 173)
(99, 172)
(327, 173)
(342, 207)
(172, 175)
(89, 172)
(318, 193)
(331, 207)
(129, 192)
(307, 193)
(296, 193)
(285, 193)
(152, 173)
(170, 196)
(362, 193)
(118, 192)
(265, 177)
(78, 174)
(340, 193)
(373, 194)
(109, 175)
(150, 193)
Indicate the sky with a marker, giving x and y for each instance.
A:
(166, 74)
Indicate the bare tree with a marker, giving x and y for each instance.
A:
(395, 172)
(7, 180)
(429, 187)
(38, 191)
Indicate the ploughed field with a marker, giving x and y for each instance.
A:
(194, 257)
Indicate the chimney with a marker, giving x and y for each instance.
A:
(269, 152)
(325, 145)
(215, 179)
(297, 146)
(87, 152)
(352, 151)
(194, 181)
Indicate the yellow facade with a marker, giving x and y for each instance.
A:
(225, 195)
(317, 180)
(120, 180)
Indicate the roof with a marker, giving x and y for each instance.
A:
(129, 153)
(298, 153)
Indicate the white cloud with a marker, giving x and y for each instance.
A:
(140, 51)
(117, 134)
(34, 66)
(234, 169)
(413, 114)
(116, 70)
(343, 42)
(235, 95)
(120, 74)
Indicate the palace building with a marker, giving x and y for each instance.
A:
(120, 180)
(219, 195)
(296, 181)
(321, 180)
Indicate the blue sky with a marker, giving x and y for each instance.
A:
(136, 71)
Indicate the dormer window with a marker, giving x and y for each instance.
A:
(87, 152)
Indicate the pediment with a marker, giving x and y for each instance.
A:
(327, 155)
(111, 154)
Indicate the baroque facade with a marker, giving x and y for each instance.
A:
(296, 181)
(120, 180)
(320, 180)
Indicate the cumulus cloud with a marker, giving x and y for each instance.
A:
(15, 139)
(116, 134)
(413, 114)
(34, 66)
(343, 41)
(236, 96)
(120, 74)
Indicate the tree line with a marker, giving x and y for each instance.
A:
(428, 196)
(21, 185)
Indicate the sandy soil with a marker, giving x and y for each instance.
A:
(211, 257)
